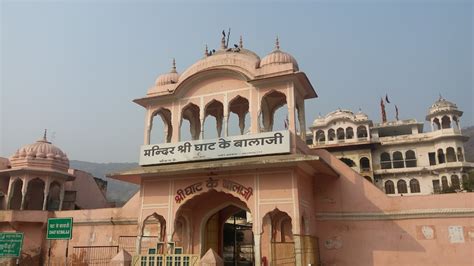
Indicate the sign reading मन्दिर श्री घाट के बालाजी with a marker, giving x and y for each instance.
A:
(277, 142)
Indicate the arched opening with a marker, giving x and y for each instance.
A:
(320, 137)
(385, 161)
(181, 235)
(446, 122)
(278, 246)
(192, 128)
(331, 134)
(455, 182)
(271, 103)
(414, 186)
(348, 162)
(164, 126)
(456, 120)
(389, 187)
(410, 158)
(450, 155)
(213, 129)
(460, 155)
(398, 160)
(402, 186)
(239, 118)
(362, 132)
(368, 178)
(441, 158)
(444, 183)
(349, 133)
(153, 233)
(364, 164)
(15, 200)
(54, 197)
(340, 134)
(34, 195)
(437, 124)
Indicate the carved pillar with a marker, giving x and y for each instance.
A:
(10, 192)
(148, 127)
(226, 125)
(24, 189)
(46, 193)
(302, 121)
(219, 120)
(202, 118)
(61, 196)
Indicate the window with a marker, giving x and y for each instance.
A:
(364, 164)
(441, 158)
(331, 134)
(444, 182)
(455, 182)
(450, 155)
(361, 132)
(389, 187)
(432, 158)
(410, 158)
(349, 133)
(460, 155)
(340, 134)
(320, 137)
(398, 160)
(446, 122)
(385, 161)
(414, 186)
(437, 124)
(436, 186)
(402, 186)
(348, 161)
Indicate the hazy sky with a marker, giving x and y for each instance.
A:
(74, 67)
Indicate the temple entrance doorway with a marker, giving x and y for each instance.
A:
(229, 233)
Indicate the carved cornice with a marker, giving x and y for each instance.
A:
(396, 215)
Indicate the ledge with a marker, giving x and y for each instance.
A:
(397, 215)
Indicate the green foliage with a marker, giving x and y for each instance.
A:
(468, 184)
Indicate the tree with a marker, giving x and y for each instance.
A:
(468, 184)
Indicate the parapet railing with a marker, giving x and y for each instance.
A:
(166, 260)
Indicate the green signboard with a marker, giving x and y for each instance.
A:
(10, 244)
(59, 228)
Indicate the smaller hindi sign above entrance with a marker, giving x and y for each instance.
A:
(59, 228)
(11, 244)
(277, 142)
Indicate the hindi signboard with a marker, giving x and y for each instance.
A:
(59, 228)
(277, 142)
(11, 244)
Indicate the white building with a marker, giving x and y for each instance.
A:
(398, 156)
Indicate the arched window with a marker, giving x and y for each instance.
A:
(414, 186)
(389, 187)
(272, 102)
(437, 123)
(364, 164)
(402, 186)
(460, 155)
(348, 162)
(16, 194)
(54, 197)
(441, 158)
(165, 126)
(450, 155)
(331, 134)
(410, 158)
(190, 114)
(361, 132)
(320, 137)
(456, 120)
(398, 160)
(213, 129)
(446, 122)
(340, 134)
(444, 183)
(237, 123)
(455, 182)
(368, 178)
(349, 133)
(35, 195)
(385, 161)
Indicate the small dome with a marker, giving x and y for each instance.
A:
(41, 149)
(442, 105)
(168, 78)
(277, 57)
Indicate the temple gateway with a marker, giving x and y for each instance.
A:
(226, 175)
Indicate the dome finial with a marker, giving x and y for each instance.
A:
(241, 42)
(206, 51)
(440, 97)
(173, 67)
(223, 41)
(44, 135)
(277, 43)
